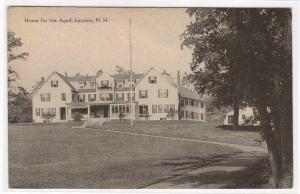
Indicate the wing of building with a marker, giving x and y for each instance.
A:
(155, 96)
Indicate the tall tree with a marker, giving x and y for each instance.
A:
(247, 59)
(12, 44)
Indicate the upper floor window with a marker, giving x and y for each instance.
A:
(163, 93)
(143, 94)
(82, 85)
(92, 97)
(81, 97)
(54, 84)
(106, 97)
(104, 83)
(63, 96)
(202, 105)
(152, 79)
(186, 102)
(120, 96)
(45, 97)
(129, 95)
(93, 84)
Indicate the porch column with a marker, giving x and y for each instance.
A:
(89, 111)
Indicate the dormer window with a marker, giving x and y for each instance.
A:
(54, 84)
(152, 79)
(104, 83)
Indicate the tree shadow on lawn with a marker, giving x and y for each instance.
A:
(237, 170)
(249, 128)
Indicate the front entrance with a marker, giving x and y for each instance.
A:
(99, 111)
(143, 109)
(62, 113)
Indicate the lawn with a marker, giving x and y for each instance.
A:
(57, 156)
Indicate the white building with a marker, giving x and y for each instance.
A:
(244, 115)
(155, 97)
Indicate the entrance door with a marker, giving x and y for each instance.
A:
(143, 109)
(62, 113)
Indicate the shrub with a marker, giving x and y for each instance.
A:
(76, 116)
(48, 116)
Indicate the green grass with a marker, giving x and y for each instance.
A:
(57, 156)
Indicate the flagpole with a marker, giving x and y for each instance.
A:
(131, 88)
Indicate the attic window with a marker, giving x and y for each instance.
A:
(54, 84)
(152, 79)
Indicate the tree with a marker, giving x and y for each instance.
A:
(12, 44)
(38, 84)
(19, 102)
(247, 60)
(121, 70)
(19, 107)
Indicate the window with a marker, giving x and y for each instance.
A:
(63, 96)
(119, 96)
(143, 109)
(152, 79)
(186, 102)
(196, 104)
(92, 97)
(73, 97)
(81, 98)
(192, 115)
(163, 93)
(54, 84)
(53, 111)
(128, 96)
(106, 97)
(186, 114)
(93, 84)
(230, 119)
(202, 105)
(154, 108)
(104, 83)
(166, 108)
(143, 94)
(45, 97)
(119, 84)
(202, 116)
(38, 112)
(82, 85)
(243, 116)
(160, 108)
(181, 102)
(172, 106)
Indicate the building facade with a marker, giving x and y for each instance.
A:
(150, 96)
(245, 116)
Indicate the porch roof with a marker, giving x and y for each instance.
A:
(81, 104)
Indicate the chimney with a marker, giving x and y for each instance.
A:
(66, 74)
(178, 79)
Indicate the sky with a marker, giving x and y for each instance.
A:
(87, 47)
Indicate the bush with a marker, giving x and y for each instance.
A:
(48, 116)
(76, 116)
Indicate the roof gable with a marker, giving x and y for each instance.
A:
(53, 73)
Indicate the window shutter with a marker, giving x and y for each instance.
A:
(42, 97)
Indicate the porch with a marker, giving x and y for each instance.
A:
(88, 111)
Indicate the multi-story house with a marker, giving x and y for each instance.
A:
(150, 96)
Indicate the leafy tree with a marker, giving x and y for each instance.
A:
(19, 107)
(121, 70)
(12, 44)
(243, 56)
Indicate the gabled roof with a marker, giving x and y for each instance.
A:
(81, 78)
(127, 76)
(188, 93)
(60, 75)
